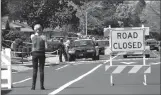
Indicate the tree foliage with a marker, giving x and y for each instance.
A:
(4, 8)
(151, 18)
(71, 14)
(50, 13)
(12, 35)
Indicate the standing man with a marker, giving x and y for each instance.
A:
(38, 55)
(13, 48)
(62, 51)
(67, 44)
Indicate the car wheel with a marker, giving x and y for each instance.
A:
(125, 56)
(94, 57)
(147, 55)
(71, 58)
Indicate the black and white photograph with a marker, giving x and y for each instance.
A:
(80, 47)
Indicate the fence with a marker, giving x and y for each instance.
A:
(27, 56)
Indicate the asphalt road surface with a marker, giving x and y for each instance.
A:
(89, 77)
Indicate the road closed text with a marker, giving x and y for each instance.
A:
(127, 40)
(127, 45)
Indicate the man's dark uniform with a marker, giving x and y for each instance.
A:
(62, 50)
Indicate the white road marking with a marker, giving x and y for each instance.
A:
(22, 81)
(133, 59)
(80, 63)
(127, 59)
(77, 79)
(128, 63)
(155, 63)
(109, 60)
(62, 67)
(73, 81)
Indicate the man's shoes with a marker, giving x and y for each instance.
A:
(32, 88)
(42, 88)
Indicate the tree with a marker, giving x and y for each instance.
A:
(12, 35)
(151, 16)
(130, 13)
(4, 9)
(50, 13)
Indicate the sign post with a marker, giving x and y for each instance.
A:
(111, 76)
(144, 58)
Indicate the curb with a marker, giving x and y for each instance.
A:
(29, 64)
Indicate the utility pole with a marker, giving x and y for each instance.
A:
(86, 16)
(86, 23)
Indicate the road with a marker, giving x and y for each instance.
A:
(89, 77)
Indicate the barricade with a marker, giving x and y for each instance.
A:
(6, 70)
(135, 69)
(117, 44)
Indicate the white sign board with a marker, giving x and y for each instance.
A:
(107, 31)
(127, 40)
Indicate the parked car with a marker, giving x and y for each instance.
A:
(83, 48)
(102, 44)
(137, 53)
(150, 44)
(154, 44)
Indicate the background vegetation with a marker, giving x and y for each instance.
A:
(70, 15)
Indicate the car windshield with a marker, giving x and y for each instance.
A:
(83, 43)
(103, 43)
(151, 42)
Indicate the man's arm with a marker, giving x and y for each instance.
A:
(46, 46)
(32, 36)
(12, 46)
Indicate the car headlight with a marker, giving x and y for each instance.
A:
(71, 51)
(90, 50)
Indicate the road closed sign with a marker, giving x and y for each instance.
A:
(127, 40)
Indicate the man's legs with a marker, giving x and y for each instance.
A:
(60, 55)
(35, 67)
(41, 69)
(65, 55)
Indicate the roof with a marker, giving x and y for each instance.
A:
(13, 25)
(26, 29)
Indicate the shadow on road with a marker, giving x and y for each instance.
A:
(21, 87)
(5, 92)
